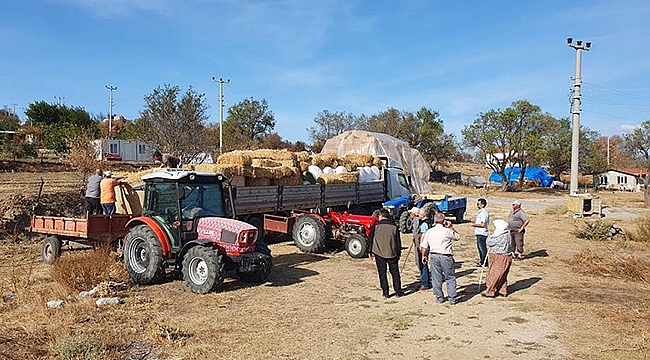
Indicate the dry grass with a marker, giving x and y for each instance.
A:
(642, 231)
(597, 230)
(613, 265)
(84, 270)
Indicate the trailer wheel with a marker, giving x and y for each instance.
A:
(356, 246)
(309, 234)
(50, 249)
(405, 223)
(459, 213)
(203, 269)
(431, 209)
(143, 255)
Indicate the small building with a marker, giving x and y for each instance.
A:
(128, 150)
(631, 179)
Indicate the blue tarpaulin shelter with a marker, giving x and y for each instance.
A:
(532, 173)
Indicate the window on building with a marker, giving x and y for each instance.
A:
(112, 148)
(142, 149)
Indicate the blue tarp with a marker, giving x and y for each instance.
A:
(532, 173)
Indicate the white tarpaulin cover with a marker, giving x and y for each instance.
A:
(378, 144)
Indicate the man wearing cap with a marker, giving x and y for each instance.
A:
(517, 222)
(107, 186)
(436, 242)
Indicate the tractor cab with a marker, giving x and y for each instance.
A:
(176, 199)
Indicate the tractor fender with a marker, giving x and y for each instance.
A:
(162, 237)
(190, 244)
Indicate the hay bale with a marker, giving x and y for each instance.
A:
(283, 154)
(303, 156)
(304, 165)
(258, 181)
(265, 163)
(237, 157)
(325, 159)
(135, 179)
(273, 172)
(128, 200)
(345, 178)
(358, 159)
(293, 180)
(377, 162)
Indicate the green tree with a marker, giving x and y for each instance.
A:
(329, 125)
(400, 124)
(174, 121)
(57, 123)
(251, 119)
(435, 146)
(9, 121)
(638, 142)
(508, 137)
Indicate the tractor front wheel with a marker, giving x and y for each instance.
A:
(143, 255)
(203, 269)
(405, 223)
(356, 246)
(50, 249)
(309, 234)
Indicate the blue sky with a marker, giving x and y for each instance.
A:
(459, 58)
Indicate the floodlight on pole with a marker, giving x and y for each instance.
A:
(110, 108)
(221, 82)
(575, 111)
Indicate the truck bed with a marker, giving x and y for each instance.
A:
(261, 199)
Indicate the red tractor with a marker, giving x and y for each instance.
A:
(184, 225)
(311, 231)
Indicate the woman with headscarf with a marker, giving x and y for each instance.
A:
(499, 260)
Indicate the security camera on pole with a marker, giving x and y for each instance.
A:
(221, 81)
(575, 111)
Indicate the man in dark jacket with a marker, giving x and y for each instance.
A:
(385, 249)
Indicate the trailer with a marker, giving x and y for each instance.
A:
(398, 208)
(93, 230)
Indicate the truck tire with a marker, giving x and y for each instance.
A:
(203, 269)
(459, 214)
(405, 223)
(143, 255)
(50, 249)
(356, 246)
(309, 234)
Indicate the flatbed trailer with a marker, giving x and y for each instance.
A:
(93, 230)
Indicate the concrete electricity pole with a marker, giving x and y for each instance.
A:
(575, 111)
(110, 108)
(221, 82)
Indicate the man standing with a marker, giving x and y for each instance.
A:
(481, 230)
(385, 248)
(517, 222)
(437, 242)
(425, 276)
(93, 206)
(167, 160)
(107, 186)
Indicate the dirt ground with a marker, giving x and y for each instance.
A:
(329, 306)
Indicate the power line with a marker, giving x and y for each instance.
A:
(627, 94)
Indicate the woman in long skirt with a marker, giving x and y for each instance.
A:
(499, 260)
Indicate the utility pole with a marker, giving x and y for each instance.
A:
(575, 111)
(221, 82)
(13, 105)
(110, 109)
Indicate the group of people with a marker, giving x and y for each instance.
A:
(100, 193)
(433, 237)
(100, 189)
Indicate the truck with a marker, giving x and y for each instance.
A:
(398, 208)
(184, 226)
(251, 204)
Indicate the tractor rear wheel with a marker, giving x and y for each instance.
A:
(309, 234)
(203, 269)
(431, 209)
(405, 223)
(356, 246)
(143, 255)
(50, 249)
